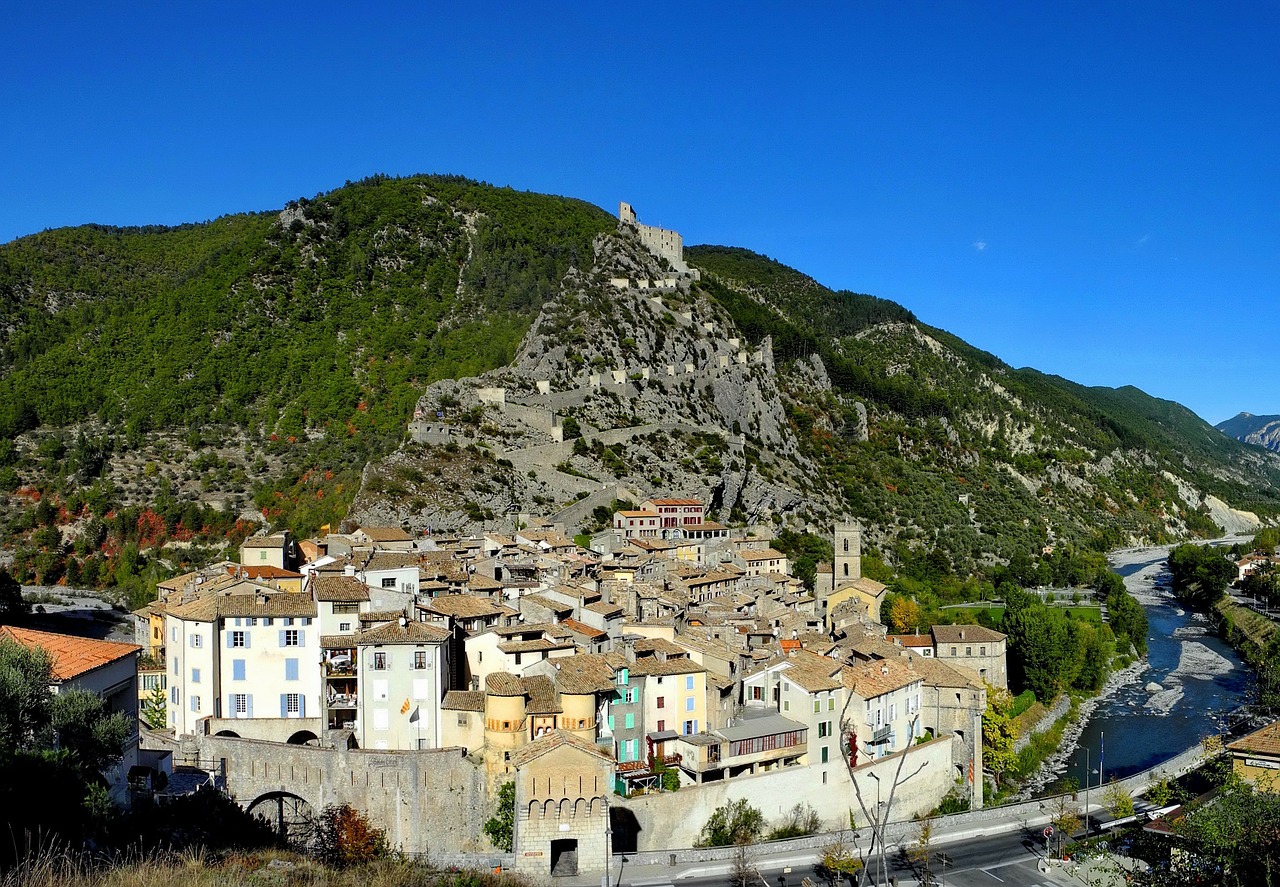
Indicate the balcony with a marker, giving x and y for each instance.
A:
(343, 700)
(882, 734)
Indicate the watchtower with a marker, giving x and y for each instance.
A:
(848, 559)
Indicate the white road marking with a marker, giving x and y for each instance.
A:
(985, 872)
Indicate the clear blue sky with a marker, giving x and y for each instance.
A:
(1090, 189)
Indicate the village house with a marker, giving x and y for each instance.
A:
(403, 676)
(107, 669)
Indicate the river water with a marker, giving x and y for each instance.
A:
(1201, 680)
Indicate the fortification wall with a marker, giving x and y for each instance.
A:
(676, 819)
(424, 799)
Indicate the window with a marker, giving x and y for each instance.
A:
(379, 661)
(344, 626)
(817, 706)
(345, 609)
(195, 677)
(388, 581)
(622, 677)
(262, 555)
(688, 682)
(267, 620)
(824, 729)
(831, 703)
(237, 669)
(846, 569)
(239, 705)
(662, 725)
(151, 681)
(690, 727)
(662, 702)
(688, 704)
(419, 658)
(825, 754)
(173, 695)
(630, 721)
(195, 703)
(251, 621)
(238, 639)
(968, 651)
(291, 669)
(846, 544)
(197, 641)
(982, 651)
(291, 637)
(293, 703)
(893, 710)
(953, 651)
(757, 693)
(518, 656)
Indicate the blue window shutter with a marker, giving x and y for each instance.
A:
(284, 705)
(229, 636)
(195, 675)
(237, 669)
(248, 705)
(302, 705)
(291, 669)
(248, 638)
(282, 638)
(302, 638)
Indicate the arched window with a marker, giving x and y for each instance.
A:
(846, 545)
(846, 569)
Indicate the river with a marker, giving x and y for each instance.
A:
(1201, 678)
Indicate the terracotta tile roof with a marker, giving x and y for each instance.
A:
(463, 700)
(865, 585)
(535, 646)
(277, 603)
(339, 589)
(543, 698)
(551, 741)
(381, 616)
(638, 513)
(976, 634)
(386, 534)
(1265, 741)
(463, 606)
(911, 640)
(337, 641)
(652, 666)
(937, 673)
(274, 541)
(263, 571)
(532, 628)
(410, 633)
(72, 656)
(585, 673)
(789, 645)
(674, 501)
(543, 601)
(604, 608)
(813, 673)
(481, 582)
(502, 683)
(391, 560)
(579, 628)
(762, 554)
(659, 645)
(880, 677)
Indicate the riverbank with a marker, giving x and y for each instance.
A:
(1055, 765)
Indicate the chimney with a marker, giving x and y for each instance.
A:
(349, 570)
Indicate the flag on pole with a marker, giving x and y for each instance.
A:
(1102, 755)
(417, 712)
(404, 709)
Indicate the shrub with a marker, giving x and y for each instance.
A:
(345, 837)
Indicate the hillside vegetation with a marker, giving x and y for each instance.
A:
(273, 360)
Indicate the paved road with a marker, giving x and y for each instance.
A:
(1012, 860)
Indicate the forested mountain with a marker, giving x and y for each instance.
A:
(280, 356)
(1262, 431)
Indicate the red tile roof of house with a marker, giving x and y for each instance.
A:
(72, 656)
(265, 571)
(674, 501)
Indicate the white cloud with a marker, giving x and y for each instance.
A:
(1143, 239)
(980, 245)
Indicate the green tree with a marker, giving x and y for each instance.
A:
(501, 826)
(800, 820)
(999, 732)
(26, 705)
(12, 605)
(1200, 574)
(736, 822)
(1119, 800)
(155, 709)
(344, 837)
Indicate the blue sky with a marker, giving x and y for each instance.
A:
(1090, 189)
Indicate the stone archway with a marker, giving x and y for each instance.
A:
(230, 734)
(292, 817)
(304, 737)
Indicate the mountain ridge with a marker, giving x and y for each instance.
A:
(293, 345)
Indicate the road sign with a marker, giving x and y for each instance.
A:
(1048, 830)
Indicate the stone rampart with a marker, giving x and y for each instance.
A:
(424, 799)
(675, 819)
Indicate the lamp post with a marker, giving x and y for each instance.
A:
(1087, 780)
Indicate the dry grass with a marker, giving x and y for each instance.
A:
(259, 869)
